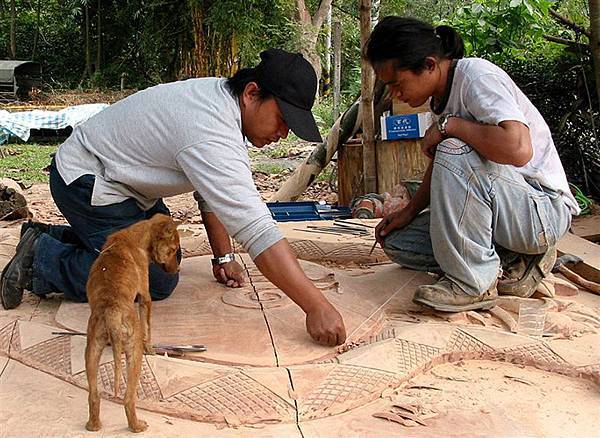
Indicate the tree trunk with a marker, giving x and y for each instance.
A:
(366, 107)
(309, 32)
(13, 30)
(595, 40)
(337, 67)
(99, 36)
(327, 69)
(87, 72)
(88, 50)
(36, 37)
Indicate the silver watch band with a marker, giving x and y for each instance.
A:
(443, 122)
(230, 257)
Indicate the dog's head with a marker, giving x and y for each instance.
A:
(165, 243)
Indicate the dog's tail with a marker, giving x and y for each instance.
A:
(114, 327)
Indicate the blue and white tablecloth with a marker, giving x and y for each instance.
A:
(19, 124)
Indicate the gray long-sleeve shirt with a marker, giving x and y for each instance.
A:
(171, 139)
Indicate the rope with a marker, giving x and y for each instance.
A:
(583, 201)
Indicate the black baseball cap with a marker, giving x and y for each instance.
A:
(293, 82)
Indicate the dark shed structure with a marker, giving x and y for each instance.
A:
(17, 78)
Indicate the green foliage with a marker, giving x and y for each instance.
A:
(269, 168)
(497, 29)
(25, 163)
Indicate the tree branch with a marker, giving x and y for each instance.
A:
(321, 13)
(567, 42)
(303, 13)
(570, 24)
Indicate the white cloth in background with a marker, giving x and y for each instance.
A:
(19, 124)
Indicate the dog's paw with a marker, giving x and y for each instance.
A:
(139, 426)
(149, 349)
(93, 426)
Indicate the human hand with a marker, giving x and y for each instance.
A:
(432, 138)
(393, 221)
(325, 325)
(230, 274)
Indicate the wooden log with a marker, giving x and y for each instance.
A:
(366, 104)
(399, 161)
(589, 252)
(350, 172)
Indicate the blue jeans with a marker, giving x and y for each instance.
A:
(477, 210)
(65, 254)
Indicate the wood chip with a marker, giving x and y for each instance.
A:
(454, 379)
(518, 379)
(505, 317)
(412, 417)
(423, 387)
(395, 418)
(477, 317)
(409, 408)
(232, 421)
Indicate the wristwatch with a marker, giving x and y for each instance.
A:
(217, 261)
(442, 122)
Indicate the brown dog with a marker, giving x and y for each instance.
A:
(117, 277)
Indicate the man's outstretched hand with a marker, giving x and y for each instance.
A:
(325, 325)
(231, 274)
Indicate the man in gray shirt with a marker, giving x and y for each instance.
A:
(166, 140)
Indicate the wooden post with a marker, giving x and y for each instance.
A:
(327, 69)
(337, 67)
(366, 104)
(350, 172)
(400, 160)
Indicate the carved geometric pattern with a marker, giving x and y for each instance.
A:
(6, 334)
(147, 389)
(347, 383)
(350, 251)
(412, 355)
(536, 353)
(55, 353)
(234, 394)
(593, 370)
(462, 341)
(307, 249)
(199, 250)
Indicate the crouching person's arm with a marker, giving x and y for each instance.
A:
(323, 322)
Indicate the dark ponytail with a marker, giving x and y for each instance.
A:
(408, 42)
(452, 43)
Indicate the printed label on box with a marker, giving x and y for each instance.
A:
(405, 126)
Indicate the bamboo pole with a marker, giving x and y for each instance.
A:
(366, 104)
(337, 67)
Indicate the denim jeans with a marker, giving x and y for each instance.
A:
(64, 255)
(478, 209)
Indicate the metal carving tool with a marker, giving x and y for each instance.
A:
(183, 348)
(69, 334)
(373, 248)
